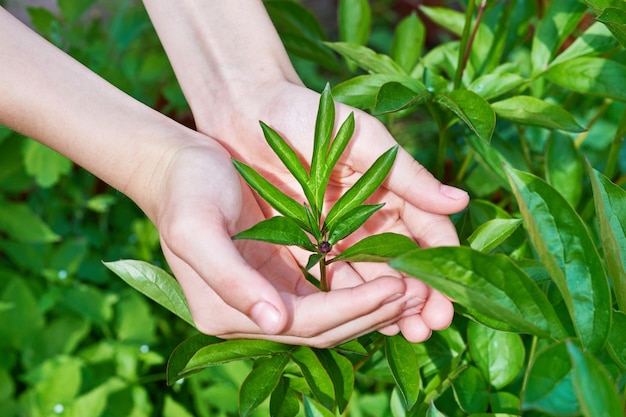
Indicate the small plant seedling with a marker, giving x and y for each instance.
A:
(304, 225)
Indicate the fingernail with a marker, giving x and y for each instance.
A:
(393, 298)
(453, 192)
(266, 316)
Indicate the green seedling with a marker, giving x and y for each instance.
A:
(305, 225)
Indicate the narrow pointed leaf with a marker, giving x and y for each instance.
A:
(260, 383)
(492, 233)
(341, 372)
(596, 392)
(313, 260)
(493, 85)
(323, 134)
(355, 19)
(288, 157)
(338, 146)
(377, 248)
(278, 230)
(351, 221)
(315, 375)
(154, 283)
(610, 202)
(473, 110)
(363, 187)
(594, 41)
(489, 284)
(361, 91)
(284, 402)
(564, 245)
(402, 361)
(536, 112)
(284, 204)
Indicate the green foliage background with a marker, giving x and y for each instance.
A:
(77, 341)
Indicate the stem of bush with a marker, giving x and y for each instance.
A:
(616, 146)
(467, 39)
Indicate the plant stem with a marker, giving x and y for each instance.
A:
(323, 279)
(378, 343)
(465, 165)
(467, 39)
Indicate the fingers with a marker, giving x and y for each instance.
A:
(219, 263)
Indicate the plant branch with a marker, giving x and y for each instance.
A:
(467, 39)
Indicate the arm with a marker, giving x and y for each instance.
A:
(186, 184)
(234, 72)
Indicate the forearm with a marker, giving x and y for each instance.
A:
(50, 97)
(221, 51)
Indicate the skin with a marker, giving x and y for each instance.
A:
(231, 50)
(185, 182)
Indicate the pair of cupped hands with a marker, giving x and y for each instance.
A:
(250, 289)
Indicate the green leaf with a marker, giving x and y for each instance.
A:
(564, 245)
(19, 222)
(316, 375)
(366, 58)
(491, 159)
(363, 187)
(341, 372)
(338, 145)
(278, 230)
(473, 110)
(433, 411)
(617, 338)
(610, 202)
(284, 402)
(288, 157)
(492, 285)
(560, 19)
(154, 283)
(595, 40)
(260, 383)
(355, 19)
(72, 10)
(615, 20)
(201, 351)
(361, 91)
(313, 408)
(402, 361)
(493, 85)
(323, 134)
(492, 233)
(394, 96)
(284, 204)
(408, 41)
(351, 221)
(564, 168)
(592, 76)
(377, 248)
(301, 33)
(594, 388)
(548, 384)
(471, 391)
(313, 260)
(536, 112)
(44, 164)
(498, 355)
(23, 320)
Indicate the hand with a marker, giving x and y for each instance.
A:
(252, 289)
(417, 204)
